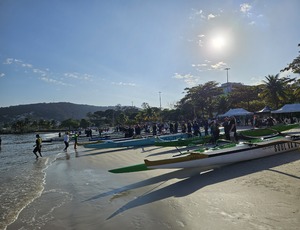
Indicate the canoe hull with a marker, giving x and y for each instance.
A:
(121, 144)
(141, 142)
(239, 153)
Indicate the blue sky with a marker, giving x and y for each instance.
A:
(127, 51)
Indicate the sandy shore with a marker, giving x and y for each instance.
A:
(80, 193)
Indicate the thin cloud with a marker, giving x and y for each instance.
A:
(53, 81)
(75, 75)
(200, 41)
(210, 16)
(196, 14)
(8, 61)
(199, 65)
(219, 66)
(245, 8)
(123, 84)
(206, 66)
(41, 72)
(187, 78)
(2, 74)
(25, 65)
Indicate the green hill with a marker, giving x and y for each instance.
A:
(48, 111)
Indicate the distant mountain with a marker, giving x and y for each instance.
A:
(48, 111)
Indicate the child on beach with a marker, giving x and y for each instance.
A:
(38, 146)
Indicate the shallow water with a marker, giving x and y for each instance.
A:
(22, 177)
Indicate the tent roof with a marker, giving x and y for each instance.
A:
(236, 112)
(266, 109)
(288, 108)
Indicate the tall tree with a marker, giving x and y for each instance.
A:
(203, 97)
(294, 66)
(275, 90)
(242, 95)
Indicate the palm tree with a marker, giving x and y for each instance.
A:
(275, 89)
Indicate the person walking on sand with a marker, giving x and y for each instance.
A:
(66, 141)
(38, 146)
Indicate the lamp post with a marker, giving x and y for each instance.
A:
(159, 100)
(227, 78)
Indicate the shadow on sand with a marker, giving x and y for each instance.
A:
(192, 180)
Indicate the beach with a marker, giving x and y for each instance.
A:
(80, 193)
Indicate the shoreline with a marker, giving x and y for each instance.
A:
(80, 193)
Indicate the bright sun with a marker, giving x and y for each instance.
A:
(218, 42)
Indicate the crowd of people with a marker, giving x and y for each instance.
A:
(198, 127)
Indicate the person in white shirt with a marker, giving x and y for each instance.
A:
(66, 141)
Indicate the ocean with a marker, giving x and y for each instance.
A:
(22, 176)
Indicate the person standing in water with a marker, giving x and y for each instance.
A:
(38, 146)
(66, 141)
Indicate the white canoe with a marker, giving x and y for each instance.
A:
(214, 158)
(241, 152)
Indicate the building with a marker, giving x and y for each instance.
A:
(227, 87)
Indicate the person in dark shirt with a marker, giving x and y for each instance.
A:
(38, 146)
(232, 131)
(226, 126)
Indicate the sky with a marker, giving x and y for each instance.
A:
(130, 52)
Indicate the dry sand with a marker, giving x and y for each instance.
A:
(80, 193)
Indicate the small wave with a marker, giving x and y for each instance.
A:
(39, 212)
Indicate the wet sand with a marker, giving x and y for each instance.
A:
(80, 193)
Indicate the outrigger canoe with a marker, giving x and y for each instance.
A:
(141, 142)
(189, 141)
(266, 132)
(219, 156)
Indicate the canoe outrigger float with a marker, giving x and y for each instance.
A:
(214, 157)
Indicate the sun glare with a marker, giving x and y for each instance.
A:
(218, 42)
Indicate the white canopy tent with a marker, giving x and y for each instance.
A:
(266, 109)
(288, 108)
(236, 112)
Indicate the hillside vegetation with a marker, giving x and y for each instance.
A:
(48, 111)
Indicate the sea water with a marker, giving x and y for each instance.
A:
(22, 176)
